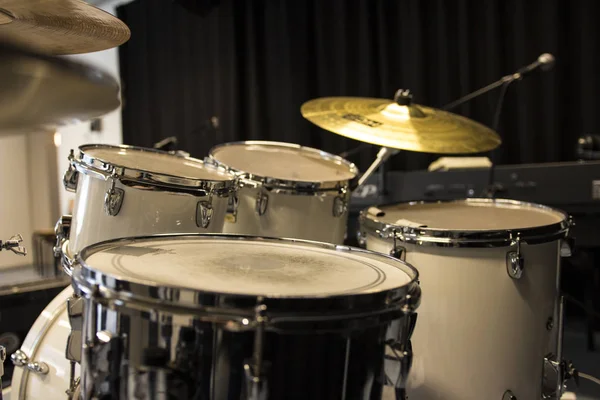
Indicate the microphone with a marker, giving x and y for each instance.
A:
(544, 62)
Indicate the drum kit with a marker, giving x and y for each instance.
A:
(228, 277)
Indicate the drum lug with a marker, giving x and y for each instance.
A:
(566, 247)
(262, 200)
(232, 207)
(508, 395)
(71, 175)
(204, 213)
(113, 199)
(398, 252)
(62, 230)
(74, 341)
(515, 263)
(361, 237)
(20, 359)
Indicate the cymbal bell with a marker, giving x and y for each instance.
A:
(400, 125)
(60, 27)
(45, 92)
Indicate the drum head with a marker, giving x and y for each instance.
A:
(467, 221)
(284, 161)
(248, 267)
(155, 161)
(470, 215)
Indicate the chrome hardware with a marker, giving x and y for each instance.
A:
(74, 388)
(14, 244)
(566, 247)
(74, 341)
(71, 175)
(204, 213)
(361, 237)
(397, 251)
(339, 206)
(255, 369)
(551, 378)
(62, 230)
(549, 324)
(113, 199)
(515, 262)
(508, 395)
(262, 200)
(20, 359)
(232, 207)
(2, 359)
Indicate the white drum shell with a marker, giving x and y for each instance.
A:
(46, 342)
(479, 332)
(145, 211)
(308, 217)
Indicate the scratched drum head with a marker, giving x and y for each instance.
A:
(246, 266)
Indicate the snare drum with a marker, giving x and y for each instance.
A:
(287, 190)
(231, 317)
(41, 369)
(124, 191)
(489, 270)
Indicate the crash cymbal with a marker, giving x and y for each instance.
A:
(400, 124)
(60, 27)
(40, 91)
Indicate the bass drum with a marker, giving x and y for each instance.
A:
(45, 371)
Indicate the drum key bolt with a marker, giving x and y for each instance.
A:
(515, 262)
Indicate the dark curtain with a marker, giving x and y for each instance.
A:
(251, 64)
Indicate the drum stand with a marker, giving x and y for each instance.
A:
(14, 244)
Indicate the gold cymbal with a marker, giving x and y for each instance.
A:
(407, 127)
(60, 27)
(41, 91)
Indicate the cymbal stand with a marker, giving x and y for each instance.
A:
(382, 156)
(14, 244)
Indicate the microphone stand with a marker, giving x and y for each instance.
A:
(504, 82)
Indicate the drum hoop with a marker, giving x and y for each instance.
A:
(283, 185)
(405, 298)
(88, 164)
(479, 238)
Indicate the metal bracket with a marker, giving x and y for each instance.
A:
(2, 359)
(397, 251)
(74, 341)
(62, 229)
(262, 201)
(20, 359)
(232, 207)
(340, 204)
(113, 199)
(508, 395)
(515, 262)
(71, 175)
(14, 244)
(255, 369)
(204, 213)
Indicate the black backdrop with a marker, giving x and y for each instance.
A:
(252, 64)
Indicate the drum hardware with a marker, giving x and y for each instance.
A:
(14, 244)
(340, 206)
(397, 251)
(2, 359)
(508, 395)
(62, 229)
(204, 212)
(75, 313)
(113, 198)
(262, 201)
(256, 369)
(514, 260)
(20, 359)
(71, 174)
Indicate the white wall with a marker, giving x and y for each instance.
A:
(32, 196)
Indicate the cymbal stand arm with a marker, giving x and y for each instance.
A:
(504, 80)
(382, 156)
